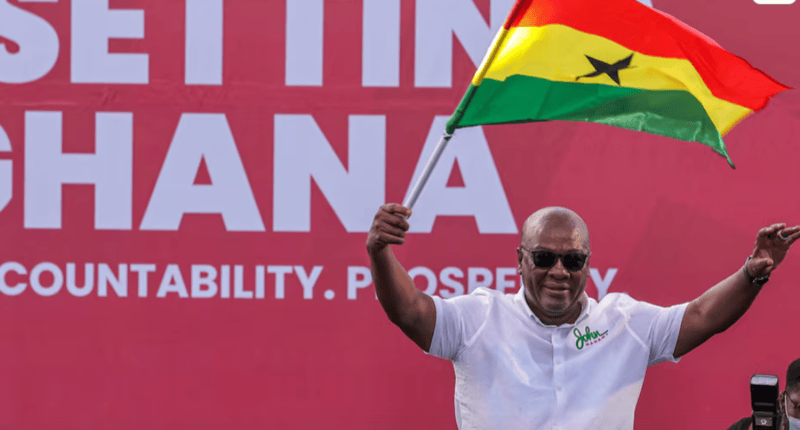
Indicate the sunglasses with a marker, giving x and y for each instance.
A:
(572, 261)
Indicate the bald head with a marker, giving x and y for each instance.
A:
(554, 287)
(555, 217)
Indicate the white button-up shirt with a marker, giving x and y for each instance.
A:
(514, 372)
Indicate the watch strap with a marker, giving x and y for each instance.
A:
(760, 281)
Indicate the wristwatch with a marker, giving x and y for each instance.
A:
(761, 280)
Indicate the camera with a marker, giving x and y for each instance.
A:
(764, 399)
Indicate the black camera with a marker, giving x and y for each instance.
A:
(764, 399)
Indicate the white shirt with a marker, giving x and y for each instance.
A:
(514, 372)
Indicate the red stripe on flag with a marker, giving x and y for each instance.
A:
(650, 32)
(519, 7)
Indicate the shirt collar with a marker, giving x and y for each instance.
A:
(523, 305)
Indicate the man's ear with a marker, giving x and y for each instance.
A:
(519, 260)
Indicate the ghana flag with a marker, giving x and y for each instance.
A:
(615, 62)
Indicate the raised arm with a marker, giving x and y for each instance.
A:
(405, 305)
(722, 305)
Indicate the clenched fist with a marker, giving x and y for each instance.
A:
(389, 227)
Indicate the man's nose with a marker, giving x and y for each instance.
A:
(558, 270)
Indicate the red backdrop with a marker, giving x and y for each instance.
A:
(98, 349)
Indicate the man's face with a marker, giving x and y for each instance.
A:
(554, 292)
(793, 404)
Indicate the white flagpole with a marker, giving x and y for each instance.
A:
(426, 172)
(497, 43)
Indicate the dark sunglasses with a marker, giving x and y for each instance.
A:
(572, 261)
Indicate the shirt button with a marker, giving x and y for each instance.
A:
(558, 362)
(558, 388)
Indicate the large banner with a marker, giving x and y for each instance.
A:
(186, 187)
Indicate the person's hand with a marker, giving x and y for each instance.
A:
(389, 227)
(771, 246)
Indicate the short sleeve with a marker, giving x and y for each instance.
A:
(457, 321)
(658, 327)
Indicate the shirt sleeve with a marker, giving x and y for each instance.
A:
(457, 321)
(658, 327)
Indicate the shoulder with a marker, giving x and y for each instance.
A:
(486, 292)
(483, 295)
(494, 298)
(628, 305)
(617, 298)
(620, 302)
(460, 319)
(477, 303)
(639, 313)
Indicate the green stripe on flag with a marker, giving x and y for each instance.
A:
(671, 113)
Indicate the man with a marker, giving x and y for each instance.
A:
(788, 403)
(550, 357)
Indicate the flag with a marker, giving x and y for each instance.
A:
(615, 62)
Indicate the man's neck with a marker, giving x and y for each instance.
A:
(569, 317)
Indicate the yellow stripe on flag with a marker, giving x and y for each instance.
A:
(499, 38)
(558, 53)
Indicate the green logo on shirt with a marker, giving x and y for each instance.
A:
(591, 337)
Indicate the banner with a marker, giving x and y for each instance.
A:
(186, 189)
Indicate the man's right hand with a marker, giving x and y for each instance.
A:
(388, 228)
(405, 305)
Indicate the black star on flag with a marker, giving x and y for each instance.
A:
(612, 70)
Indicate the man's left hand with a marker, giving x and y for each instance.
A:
(771, 246)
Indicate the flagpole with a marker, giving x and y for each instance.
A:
(453, 122)
(426, 172)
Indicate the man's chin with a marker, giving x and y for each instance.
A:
(556, 311)
(558, 306)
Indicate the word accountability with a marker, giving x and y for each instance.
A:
(204, 281)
